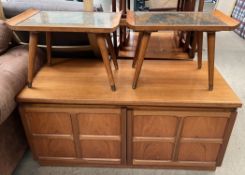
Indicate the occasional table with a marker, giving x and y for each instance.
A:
(148, 22)
(101, 24)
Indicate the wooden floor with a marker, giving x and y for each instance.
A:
(161, 83)
(162, 45)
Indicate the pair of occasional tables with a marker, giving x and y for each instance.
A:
(72, 118)
(103, 24)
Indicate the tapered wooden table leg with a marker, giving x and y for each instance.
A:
(101, 40)
(193, 49)
(49, 48)
(187, 41)
(142, 50)
(112, 51)
(211, 55)
(200, 39)
(199, 47)
(32, 56)
(114, 9)
(137, 49)
(201, 5)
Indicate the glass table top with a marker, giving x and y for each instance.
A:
(72, 19)
(176, 18)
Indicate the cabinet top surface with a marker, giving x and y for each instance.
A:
(203, 21)
(162, 83)
(35, 20)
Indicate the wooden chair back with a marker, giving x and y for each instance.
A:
(2, 17)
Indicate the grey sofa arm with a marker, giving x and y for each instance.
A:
(13, 8)
(13, 76)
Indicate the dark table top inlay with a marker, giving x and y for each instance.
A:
(173, 18)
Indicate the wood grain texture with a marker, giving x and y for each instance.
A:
(56, 21)
(27, 131)
(211, 56)
(198, 152)
(94, 135)
(140, 57)
(129, 147)
(204, 127)
(101, 149)
(76, 136)
(181, 84)
(187, 165)
(99, 124)
(73, 109)
(179, 130)
(21, 17)
(137, 163)
(101, 41)
(124, 136)
(114, 9)
(152, 151)
(112, 51)
(49, 47)
(45, 147)
(88, 162)
(196, 137)
(231, 22)
(161, 142)
(199, 49)
(201, 140)
(181, 112)
(164, 126)
(228, 131)
(201, 5)
(135, 59)
(100, 135)
(154, 139)
(94, 45)
(169, 49)
(32, 56)
(49, 123)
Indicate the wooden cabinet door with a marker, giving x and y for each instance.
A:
(202, 137)
(101, 134)
(152, 137)
(49, 132)
(76, 134)
(178, 137)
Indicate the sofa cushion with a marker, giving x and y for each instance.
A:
(13, 76)
(5, 36)
(13, 8)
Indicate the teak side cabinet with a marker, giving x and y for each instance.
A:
(72, 118)
(134, 136)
